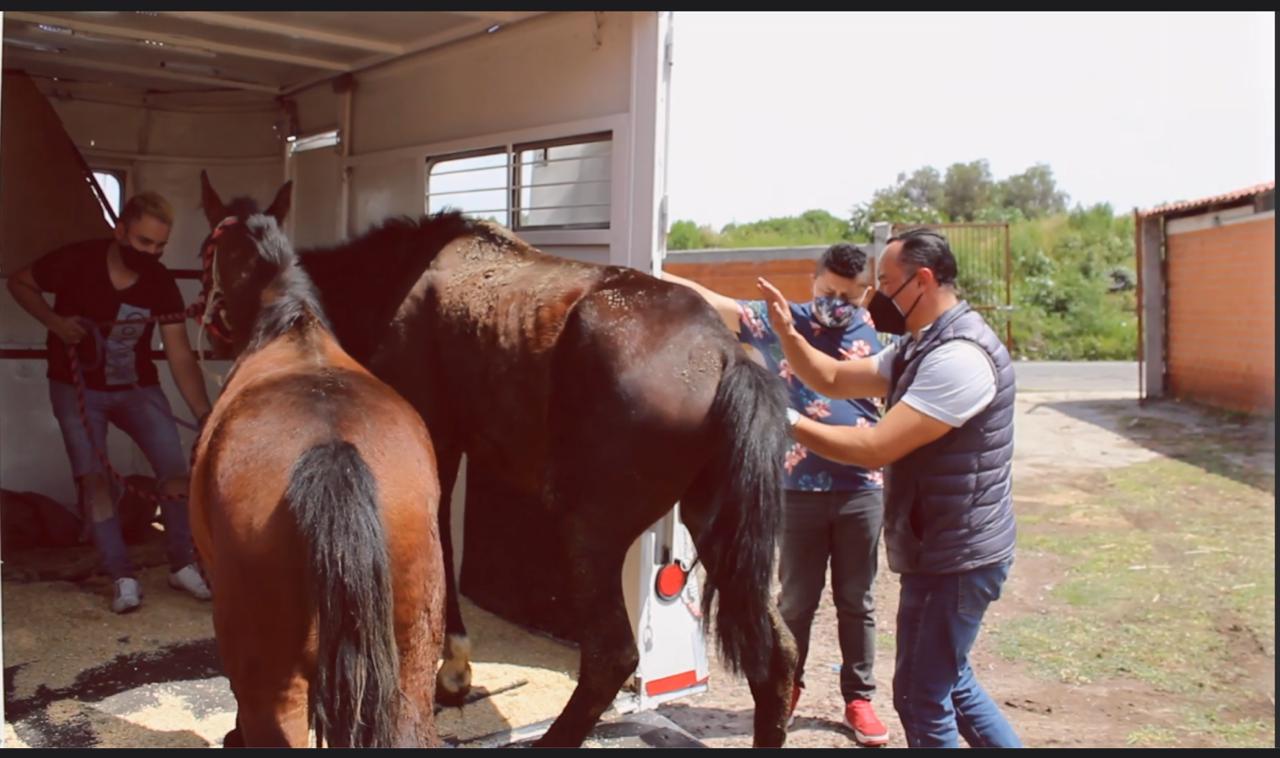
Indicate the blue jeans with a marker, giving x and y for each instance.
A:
(144, 414)
(934, 689)
(843, 527)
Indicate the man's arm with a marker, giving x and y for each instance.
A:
(727, 307)
(22, 285)
(902, 431)
(823, 374)
(186, 371)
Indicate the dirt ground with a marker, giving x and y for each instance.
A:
(78, 675)
(1065, 442)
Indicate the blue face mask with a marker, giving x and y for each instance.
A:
(833, 312)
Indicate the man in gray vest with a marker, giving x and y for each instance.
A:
(946, 443)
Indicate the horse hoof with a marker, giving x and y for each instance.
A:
(453, 681)
(453, 684)
(450, 699)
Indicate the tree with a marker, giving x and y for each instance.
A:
(924, 188)
(687, 235)
(967, 189)
(1033, 192)
(892, 206)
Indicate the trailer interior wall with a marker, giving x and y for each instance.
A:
(160, 145)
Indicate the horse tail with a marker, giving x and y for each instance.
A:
(355, 695)
(737, 546)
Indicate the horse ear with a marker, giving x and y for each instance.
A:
(214, 210)
(280, 206)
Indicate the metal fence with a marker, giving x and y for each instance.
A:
(984, 261)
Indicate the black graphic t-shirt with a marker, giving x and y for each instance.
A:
(77, 276)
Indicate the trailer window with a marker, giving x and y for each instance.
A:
(551, 184)
(476, 183)
(564, 184)
(112, 184)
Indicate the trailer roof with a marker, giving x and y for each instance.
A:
(268, 52)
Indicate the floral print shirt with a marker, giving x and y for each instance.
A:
(807, 471)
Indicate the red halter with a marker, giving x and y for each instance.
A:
(211, 306)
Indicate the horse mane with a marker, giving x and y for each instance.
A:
(299, 301)
(365, 279)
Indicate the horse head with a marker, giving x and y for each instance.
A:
(244, 253)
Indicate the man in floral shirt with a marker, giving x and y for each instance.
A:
(833, 511)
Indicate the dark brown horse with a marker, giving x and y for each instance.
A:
(602, 392)
(313, 504)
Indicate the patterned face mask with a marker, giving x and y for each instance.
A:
(833, 312)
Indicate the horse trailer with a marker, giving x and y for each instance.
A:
(554, 124)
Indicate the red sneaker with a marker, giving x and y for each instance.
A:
(867, 729)
(795, 698)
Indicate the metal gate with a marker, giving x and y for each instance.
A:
(984, 262)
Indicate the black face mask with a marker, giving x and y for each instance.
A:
(886, 315)
(135, 259)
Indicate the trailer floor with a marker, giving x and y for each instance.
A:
(78, 675)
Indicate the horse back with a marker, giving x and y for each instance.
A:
(523, 335)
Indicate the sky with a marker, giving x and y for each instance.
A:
(773, 114)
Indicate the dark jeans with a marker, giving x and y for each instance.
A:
(934, 689)
(843, 527)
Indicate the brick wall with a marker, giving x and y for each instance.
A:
(1221, 320)
(737, 279)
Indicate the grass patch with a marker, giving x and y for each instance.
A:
(1171, 581)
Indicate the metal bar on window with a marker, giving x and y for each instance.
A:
(502, 167)
(532, 208)
(522, 186)
(503, 188)
(469, 212)
(544, 161)
(564, 184)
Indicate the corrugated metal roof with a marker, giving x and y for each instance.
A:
(1186, 205)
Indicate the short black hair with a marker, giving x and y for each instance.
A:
(925, 248)
(843, 259)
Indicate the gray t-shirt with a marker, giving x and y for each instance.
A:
(954, 383)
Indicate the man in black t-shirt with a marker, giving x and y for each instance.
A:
(121, 279)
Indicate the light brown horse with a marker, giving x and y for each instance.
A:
(313, 506)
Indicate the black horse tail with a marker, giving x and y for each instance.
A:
(355, 696)
(737, 547)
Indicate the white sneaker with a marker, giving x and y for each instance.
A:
(128, 595)
(189, 580)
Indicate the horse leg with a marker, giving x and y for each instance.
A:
(267, 717)
(771, 694)
(418, 652)
(271, 700)
(453, 681)
(261, 633)
(607, 646)
(418, 587)
(234, 738)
